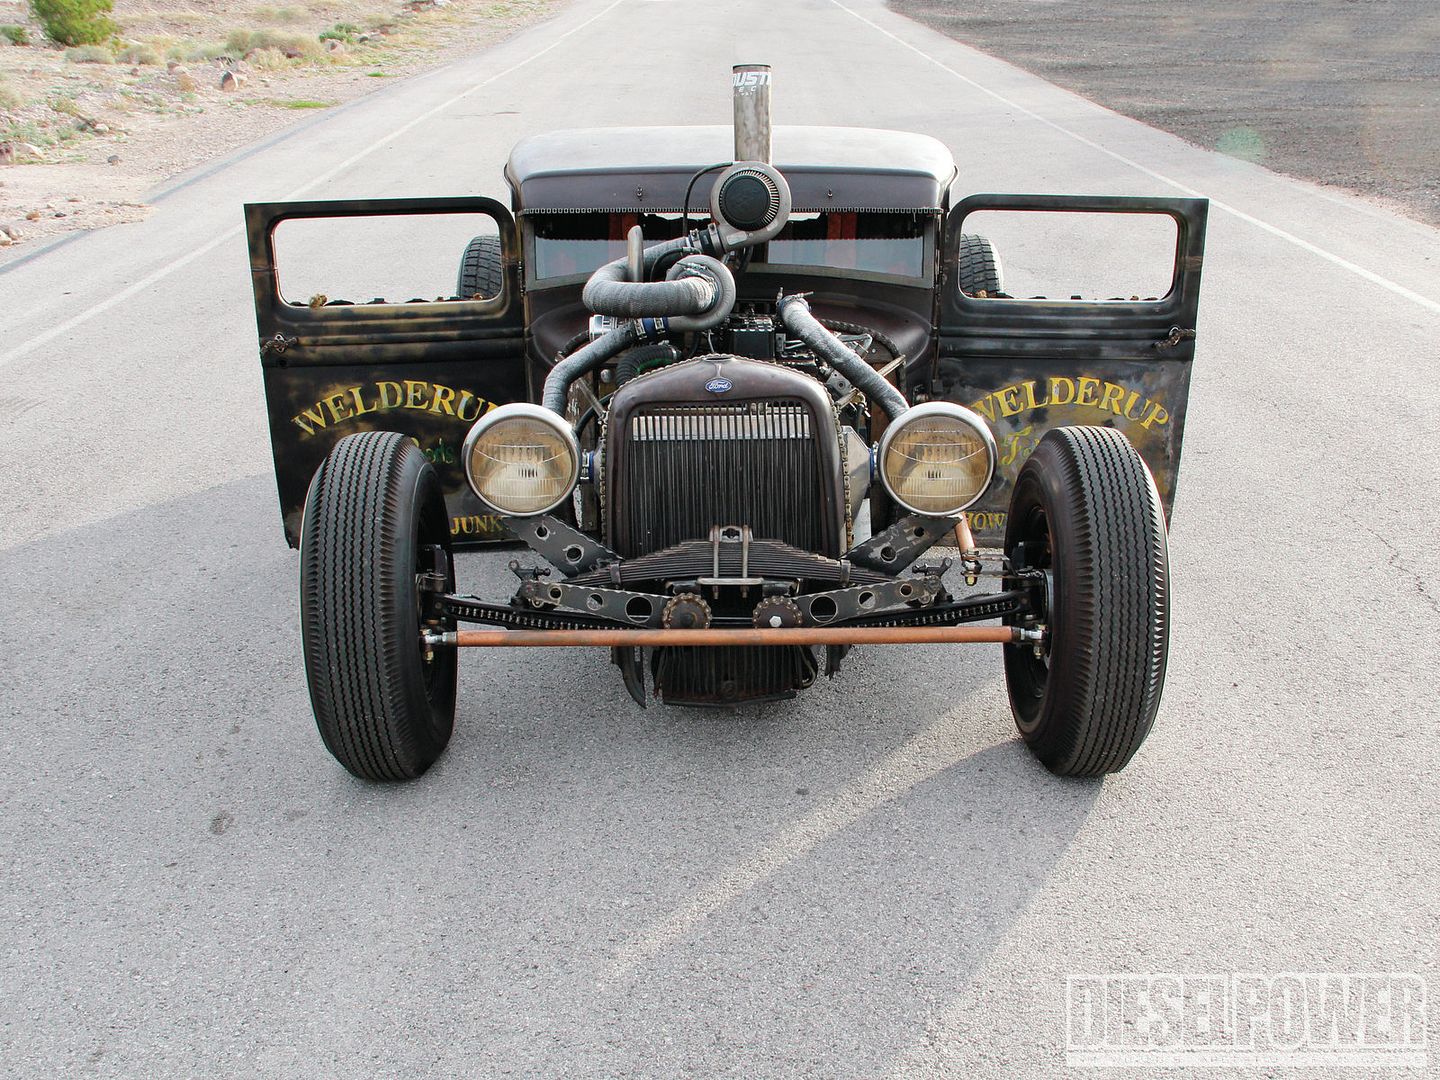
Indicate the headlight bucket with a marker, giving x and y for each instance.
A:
(937, 459)
(521, 459)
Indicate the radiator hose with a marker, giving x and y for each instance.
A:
(697, 294)
(795, 315)
(582, 360)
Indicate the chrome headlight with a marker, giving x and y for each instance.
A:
(937, 459)
(522, 459)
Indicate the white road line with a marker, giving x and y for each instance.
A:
(63, 328)
(1305, 245)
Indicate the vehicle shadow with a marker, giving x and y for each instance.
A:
(579, 887)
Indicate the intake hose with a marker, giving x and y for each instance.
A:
(697, 293)
(583, 360)
(795, 316)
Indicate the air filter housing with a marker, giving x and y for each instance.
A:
(750, 203)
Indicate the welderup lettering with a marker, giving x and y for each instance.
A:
(1084, 391)
(353, 402)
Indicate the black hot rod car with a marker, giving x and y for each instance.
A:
(745, 400)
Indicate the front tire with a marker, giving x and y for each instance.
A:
(374, 519)
(1086, 511)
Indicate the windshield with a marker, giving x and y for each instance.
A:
(566, 246)
(873, 243)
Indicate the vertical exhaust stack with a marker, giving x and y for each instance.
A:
(752, 112)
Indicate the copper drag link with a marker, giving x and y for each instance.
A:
(790, 635)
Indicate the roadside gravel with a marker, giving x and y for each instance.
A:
(83, 144)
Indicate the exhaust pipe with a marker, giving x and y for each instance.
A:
(752, 112)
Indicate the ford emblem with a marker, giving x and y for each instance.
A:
(718, 386)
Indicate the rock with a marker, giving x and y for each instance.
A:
(33, 215)
(73, 198)
(5, 240)
(231, 81)
(185, 82)
(177, 68)
(12, 153)
(13, 232)
(113, 159)
(337, 47)
(59, 213)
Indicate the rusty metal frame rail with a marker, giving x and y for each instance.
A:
(797, 635)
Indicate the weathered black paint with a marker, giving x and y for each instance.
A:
(426, 370)
(1030, 365)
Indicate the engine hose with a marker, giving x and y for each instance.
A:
(642, 358)
(573, 344)
(795, 315)
(697, 293)
(610, 285)
(856, 328)
(582, 361)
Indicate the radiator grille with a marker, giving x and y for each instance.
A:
(688, 467)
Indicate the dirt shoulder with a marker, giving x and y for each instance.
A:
(86, 134)
(1342, 92)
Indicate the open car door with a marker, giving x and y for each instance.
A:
(363, 327)
(1094, 323)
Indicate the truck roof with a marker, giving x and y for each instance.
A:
(646, 169)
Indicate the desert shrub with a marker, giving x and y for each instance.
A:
(65, 106)
(139, 54)
(267, 60)
(240, 42)
(16, 35)
(282, 15)
(10, 101)
(90, 54)
(195, 53)
(75, 22)
(346, 32)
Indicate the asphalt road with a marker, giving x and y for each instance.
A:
(872, 880)
(1337, 91)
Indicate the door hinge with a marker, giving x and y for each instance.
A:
(1177, 335)
(274, 346)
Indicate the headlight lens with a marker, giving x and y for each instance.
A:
(522, 459)
(937, 459)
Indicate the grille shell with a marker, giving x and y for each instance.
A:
(680, 459)
(746, 464)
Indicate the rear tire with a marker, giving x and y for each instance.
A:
(1086, 510)
(978, 267)
(482, 269)
(373, 519)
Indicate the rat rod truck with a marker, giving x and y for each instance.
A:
(732, 393)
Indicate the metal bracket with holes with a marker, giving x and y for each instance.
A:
(891, 551)
(614, 605)
(565, 547)
(841, 605)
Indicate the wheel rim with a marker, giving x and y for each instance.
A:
(1029, 673)
(437, 665)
